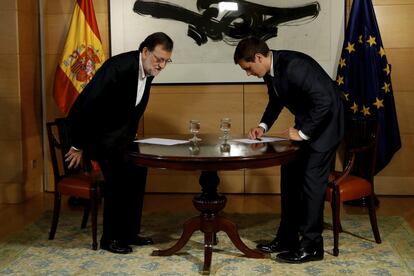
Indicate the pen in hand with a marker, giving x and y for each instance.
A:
(258, 139)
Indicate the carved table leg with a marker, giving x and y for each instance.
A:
(189, 226)
(208, 250)
(210, 203)
(230, 228)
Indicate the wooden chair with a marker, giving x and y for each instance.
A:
(82, 183)
(357, 178)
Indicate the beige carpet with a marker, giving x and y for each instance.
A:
(31, 253)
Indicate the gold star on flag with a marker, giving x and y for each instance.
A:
(381, 52)
(365, 110)
(340, 80)
(346, 95)
(378, 103)
(371, 41)
(387, 69)
(386, 87)
(350, 47)
(342, 62)
(355, 107)
(360, 39)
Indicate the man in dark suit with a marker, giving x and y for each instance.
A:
(103, 121)
(300, 84)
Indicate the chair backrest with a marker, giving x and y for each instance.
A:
(59, 144)
(361, 139)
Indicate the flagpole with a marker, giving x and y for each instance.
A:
(346, 4)
(109, 28)
(43, 96)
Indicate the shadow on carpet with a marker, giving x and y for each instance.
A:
(31, 253)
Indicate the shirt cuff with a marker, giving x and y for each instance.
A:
(303, 136)
(76, 149)
(264, 126)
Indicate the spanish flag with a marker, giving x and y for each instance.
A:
(82, 56)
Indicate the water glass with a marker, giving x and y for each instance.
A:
(194, 129)
(225, 126)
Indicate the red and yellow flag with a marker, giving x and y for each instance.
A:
(82, 56)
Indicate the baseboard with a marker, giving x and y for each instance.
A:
(394, 185)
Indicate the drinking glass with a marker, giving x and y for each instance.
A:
(225, 148)
(194, 148)
(194, 129)
(225, 125)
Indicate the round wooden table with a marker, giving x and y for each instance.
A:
(209, 156)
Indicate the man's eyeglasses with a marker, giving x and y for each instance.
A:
(160, 60)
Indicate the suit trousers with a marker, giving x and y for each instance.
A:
(303, 187)
(123, 197)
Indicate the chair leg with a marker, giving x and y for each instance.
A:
(215, 239)
(335, 205)
(340, 229)
(94, 218)
(85, 216)
(373, 218)
(55, 218)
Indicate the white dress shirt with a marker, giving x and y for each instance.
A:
(142, 80)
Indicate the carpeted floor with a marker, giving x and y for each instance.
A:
(31, 253)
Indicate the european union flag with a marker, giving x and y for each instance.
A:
(364, 76)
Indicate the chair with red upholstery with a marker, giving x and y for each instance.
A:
(357, 178)
(81, 183)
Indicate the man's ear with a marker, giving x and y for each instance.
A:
(258, 58)
(145, 52)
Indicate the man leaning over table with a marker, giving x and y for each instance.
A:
(297, 82)
(103, 121)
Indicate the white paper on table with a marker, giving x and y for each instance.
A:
(161, 141)
(262, 140)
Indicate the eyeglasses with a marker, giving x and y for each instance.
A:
(160, 60)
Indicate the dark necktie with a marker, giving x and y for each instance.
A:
(270, 81)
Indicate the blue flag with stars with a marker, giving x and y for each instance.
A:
(364, 76)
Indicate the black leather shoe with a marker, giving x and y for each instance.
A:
(276, 245)
(115, 246)
(302, 254)
(140, 241)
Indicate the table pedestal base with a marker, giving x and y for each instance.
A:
(210, 203)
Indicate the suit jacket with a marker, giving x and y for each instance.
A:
(301, 85)
(104, 118)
